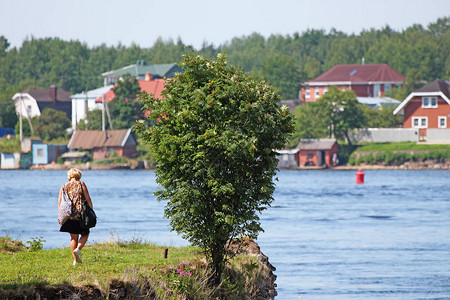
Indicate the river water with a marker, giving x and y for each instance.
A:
(328, 237)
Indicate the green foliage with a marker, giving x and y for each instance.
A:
(126, 89)
(344, 153)
(124, 109)
(8, 116)
(405, 146)
(95, 121)
(214, 143)
(310, 122)
(124, 113)
(36, 243)
(420, 53)
(145, 152)
(381, 117)
(10, 145)
(342, 112)
(26, 129)
(8, 245)
(390, 158)
(333, 115)
(51, 124)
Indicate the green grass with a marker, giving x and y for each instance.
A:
(141, 267)
(406, 146)
(396, 154)
(101, 262)
(8, 245)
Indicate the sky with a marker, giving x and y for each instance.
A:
(195, 22)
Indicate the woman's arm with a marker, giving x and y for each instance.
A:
(59, 201)
(59, 197)
(86, 195)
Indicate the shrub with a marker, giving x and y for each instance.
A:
(36, 243)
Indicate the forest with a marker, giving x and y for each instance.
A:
(421, 53)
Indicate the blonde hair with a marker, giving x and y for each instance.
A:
(74, 173)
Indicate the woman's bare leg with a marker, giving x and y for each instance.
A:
(73, 243)
(82, 241)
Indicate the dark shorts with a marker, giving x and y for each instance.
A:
(73, 226)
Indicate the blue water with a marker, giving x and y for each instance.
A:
(328, 237)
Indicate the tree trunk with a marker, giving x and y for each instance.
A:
(347, 137)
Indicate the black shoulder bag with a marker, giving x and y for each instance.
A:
(88, 218)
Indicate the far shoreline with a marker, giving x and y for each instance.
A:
(428, 165)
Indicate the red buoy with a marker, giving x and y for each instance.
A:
(360, 176)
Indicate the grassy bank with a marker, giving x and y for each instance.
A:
(132, 270)
(391, 154)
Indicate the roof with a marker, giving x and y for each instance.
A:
(360, 74)
(316, 144)
(44, 95)
(141, 68)
(155, 86)
(89, 139)
(377, 101)
(436, 88)
(92, 94)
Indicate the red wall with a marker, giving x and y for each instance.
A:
(303, 156)
(414, 109)
(364, 90)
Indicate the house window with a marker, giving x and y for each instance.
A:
(316, 92)
(40, 153)
(442, 122)
(429, 102)
(420, 122)
(343, 89)
(387, 89)
(325, 90)
(307, 93)
(28, 110)
(310, 155)
(376, 90)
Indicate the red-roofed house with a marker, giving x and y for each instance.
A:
(104, 144)
(149, 85)
(30, 103)
(374, 80)
(427, 108)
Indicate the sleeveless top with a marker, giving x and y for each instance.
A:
(75, 192)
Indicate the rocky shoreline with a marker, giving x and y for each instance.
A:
(140, 165)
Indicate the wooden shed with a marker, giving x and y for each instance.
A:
(104, 144)
(317, 152)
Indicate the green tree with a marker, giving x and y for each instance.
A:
(310, 123)
(283, 73)
(8, 116)
(4, 45)
(342, 112)
(51, 124)
(125, 110)
(95, 121)
(215, 148)
(382, 117)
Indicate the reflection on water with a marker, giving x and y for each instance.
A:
(328, 237)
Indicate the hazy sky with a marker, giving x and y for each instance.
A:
(196, 21)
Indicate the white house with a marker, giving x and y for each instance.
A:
(79, 103)
(30, 103)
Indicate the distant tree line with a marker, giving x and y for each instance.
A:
(285, 61)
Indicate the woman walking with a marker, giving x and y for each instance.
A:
(77, 192)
